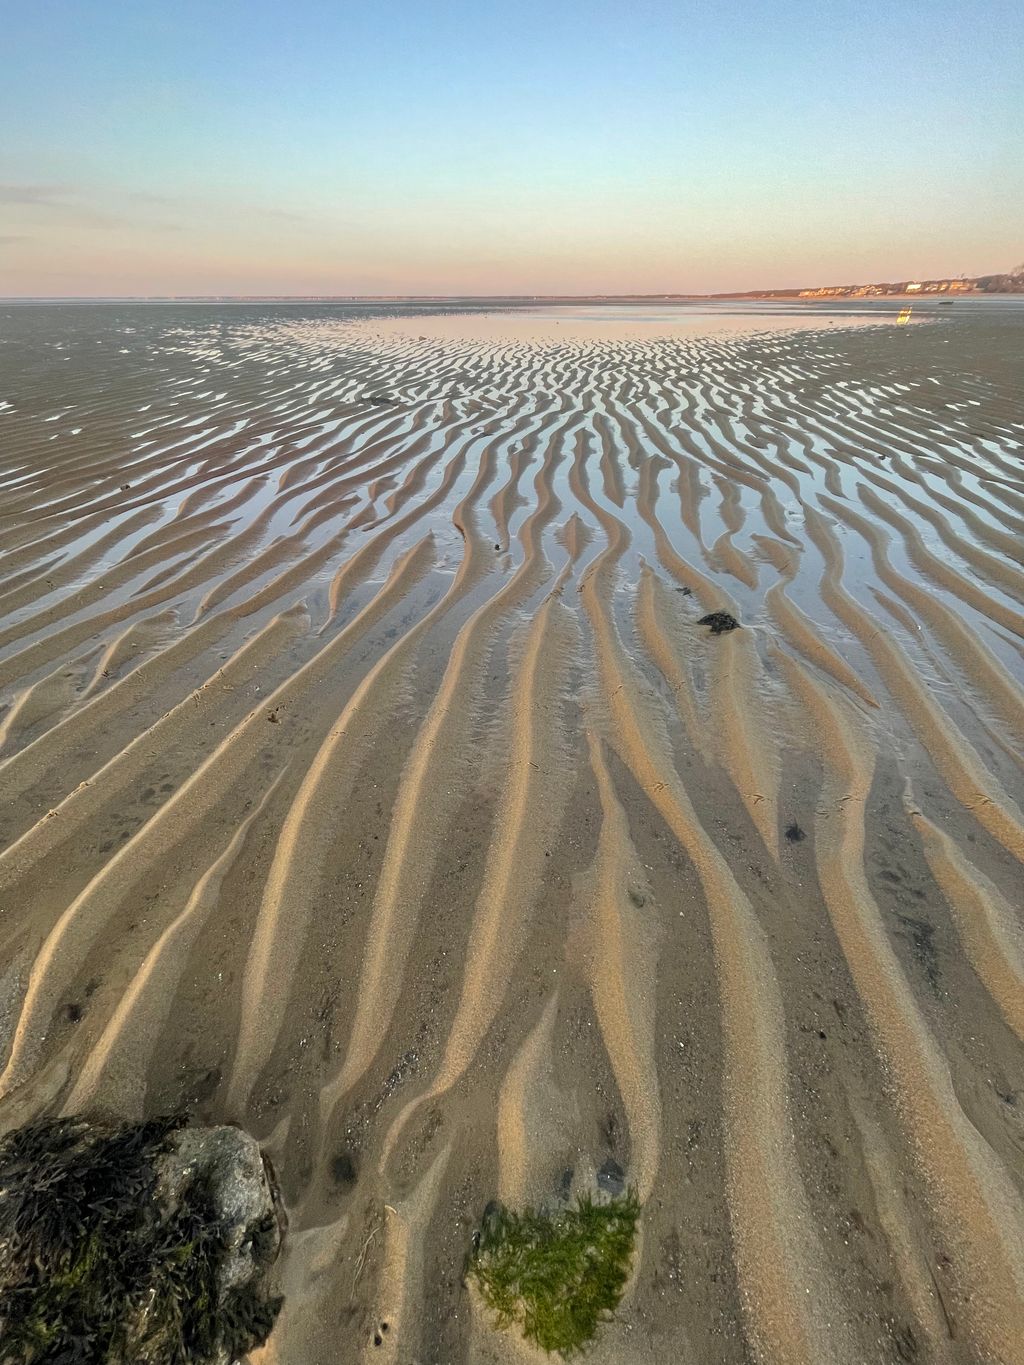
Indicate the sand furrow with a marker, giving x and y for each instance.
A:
(976, 1200)
(65, 946)
(291, 889)
(82, 804)
(622, 952)
(116, 1065)
(436, 766)
(777, 1255)
(991, 933)
(978, 790)
(533, 794)
(965, 646)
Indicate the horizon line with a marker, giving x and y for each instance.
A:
(800, 294)
(793, 291)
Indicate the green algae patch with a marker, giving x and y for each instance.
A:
(556, 1276)
(114, 1248)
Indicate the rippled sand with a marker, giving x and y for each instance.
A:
(366, 778)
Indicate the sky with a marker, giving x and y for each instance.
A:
(468, 147)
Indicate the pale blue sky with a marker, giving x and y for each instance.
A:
(204, 146)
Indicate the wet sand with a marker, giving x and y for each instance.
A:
(367, 779)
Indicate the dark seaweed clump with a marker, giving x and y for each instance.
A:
(718, 621)
(556, 1275)
(94, 1267)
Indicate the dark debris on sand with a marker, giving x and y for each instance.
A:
(719, 621)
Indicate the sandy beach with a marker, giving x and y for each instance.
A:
(367, 779)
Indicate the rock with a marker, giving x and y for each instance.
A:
(134, 1244)
(241, 1197)
(611, 1178)
(489, 1223)
(719, 621)
(343, 1170)
(492, 1213)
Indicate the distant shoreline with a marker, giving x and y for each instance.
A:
(516, 300)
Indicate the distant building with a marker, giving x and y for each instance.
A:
(1012, 283)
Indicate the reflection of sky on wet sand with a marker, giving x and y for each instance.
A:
(599, 322)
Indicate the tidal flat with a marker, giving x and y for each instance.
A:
(367, 778)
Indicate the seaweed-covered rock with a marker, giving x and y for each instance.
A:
(719, 621)
(134, 1244)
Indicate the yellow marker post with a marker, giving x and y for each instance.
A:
(904, 317)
